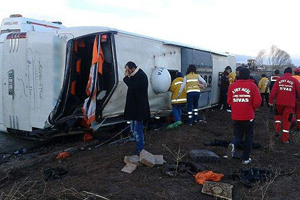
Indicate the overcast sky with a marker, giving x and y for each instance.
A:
(235, 26)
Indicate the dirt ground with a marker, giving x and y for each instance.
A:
(98, 170)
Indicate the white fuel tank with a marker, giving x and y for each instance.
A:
(160, 80)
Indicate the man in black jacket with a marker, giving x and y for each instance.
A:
(137, 106)
(224, 84)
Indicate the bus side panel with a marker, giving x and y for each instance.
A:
(147, 54)
(219, 64)
(15, 87)
(41, 76)
(2, 127)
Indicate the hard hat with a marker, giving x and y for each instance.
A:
(297, 70)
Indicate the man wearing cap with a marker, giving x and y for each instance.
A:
(244, 99)
(285, 91)
(137, 106)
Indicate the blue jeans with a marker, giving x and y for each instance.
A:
(177, 111)
(192, 105)
(138, 133)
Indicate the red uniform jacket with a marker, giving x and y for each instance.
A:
(286, 90)
(244, 98)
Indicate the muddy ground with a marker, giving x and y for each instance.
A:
(98, 170)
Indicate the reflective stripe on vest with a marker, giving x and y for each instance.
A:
(179, 100)
(179, 82)
(192, 80)
(193, 90)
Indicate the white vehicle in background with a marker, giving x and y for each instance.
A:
(45, 70)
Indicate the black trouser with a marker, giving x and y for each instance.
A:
(266, 97)
(223, 98)
(241, 128)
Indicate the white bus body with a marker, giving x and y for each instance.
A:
(45, 71)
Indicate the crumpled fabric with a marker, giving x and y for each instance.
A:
(201, 177)
(63, 155)
(250, 176)
(54, 173)
(183, 168)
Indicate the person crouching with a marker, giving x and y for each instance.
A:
(244, 98)
(177, 103)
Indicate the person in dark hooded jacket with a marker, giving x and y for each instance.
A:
(137, 106)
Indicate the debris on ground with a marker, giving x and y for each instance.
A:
(222, 190)
(250, 176)
(54, 173)
(183, 168)
(21, 151)
(203, 155)
(87, 136)
(63, 155)
(202, 177)
(159, 159)
(106, 161)
(129, 168)
(297, 154)
(134, 159)
(147, 158)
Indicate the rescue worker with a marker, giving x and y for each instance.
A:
(192, 82)
(263, 87)
(237, 72)
(244, 99)
(273, 79)
(137, 106)
(177, 103)
(297, 106)
(231, 77)
(224, 84)
(285, 91)
(238, 69)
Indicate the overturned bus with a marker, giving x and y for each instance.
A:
(47, 68)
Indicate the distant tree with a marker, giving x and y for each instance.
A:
(279, 58)
(276, 58)
(260, 58)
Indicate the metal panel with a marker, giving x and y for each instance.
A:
(196, 57)
(203, 62)
(15, 84)
(147, 54)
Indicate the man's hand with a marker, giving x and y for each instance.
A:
(200, 84)
(270, 104)
(126, 72)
